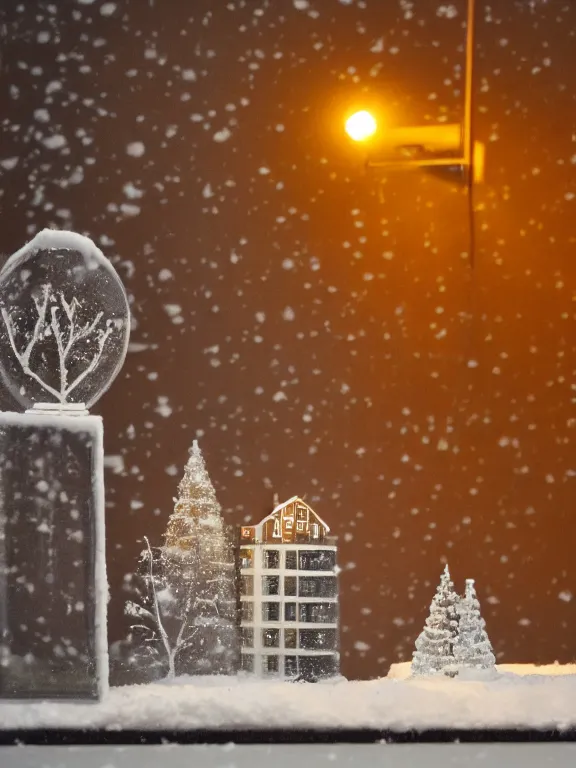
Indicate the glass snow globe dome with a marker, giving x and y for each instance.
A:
(64, 322)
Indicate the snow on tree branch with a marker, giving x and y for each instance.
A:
(67, 330)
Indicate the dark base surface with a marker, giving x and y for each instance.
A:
(72, 737)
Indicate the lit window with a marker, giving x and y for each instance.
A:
(271, 612)
(308, 587)
(317, 586)
(318, 613)
(271, 558)
(320, 640)
(270, 664)
(270, 585)
(270, 638)
(246, 558)
(315, 531)
(317, 560)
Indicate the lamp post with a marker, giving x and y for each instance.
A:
(426, 146)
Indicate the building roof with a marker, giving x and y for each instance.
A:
(291, 500)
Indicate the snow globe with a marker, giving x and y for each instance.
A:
(64, 329)
(65, 322)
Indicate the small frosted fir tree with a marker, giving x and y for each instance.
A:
(188, 598)
(198, 548)
(434, 646)
(472, 647)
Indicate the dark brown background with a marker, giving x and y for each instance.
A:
(397, 349)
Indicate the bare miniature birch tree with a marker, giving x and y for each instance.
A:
(168, 631)
(63, 324)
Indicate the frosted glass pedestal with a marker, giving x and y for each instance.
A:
(53, 588)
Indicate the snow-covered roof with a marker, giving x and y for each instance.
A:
(280, 507)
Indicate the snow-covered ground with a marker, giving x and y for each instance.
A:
(510, 701)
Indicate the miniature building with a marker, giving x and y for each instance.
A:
(289, 595)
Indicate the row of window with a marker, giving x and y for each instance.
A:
(306, 639)
(307, 666)
(317, 613)
(305, 560)
(303, 586)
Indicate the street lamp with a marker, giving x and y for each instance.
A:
(449, 145)
(361, 126)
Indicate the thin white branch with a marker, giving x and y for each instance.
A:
(80, 333)
(65, 336)
(29, 372)
(95, 360)
(187, 643)
(55, 325)
(181, 632)
(41, 307)
(141, 626)
(24, 357)
(70, 309)
(184, 624)
(8, 324)
(89, 327)
(158, 617)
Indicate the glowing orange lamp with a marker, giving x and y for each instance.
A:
(361, 126)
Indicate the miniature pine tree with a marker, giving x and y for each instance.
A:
(195, 506)
(472, 647)
(201, 571)
(434, 645)
(188, 602)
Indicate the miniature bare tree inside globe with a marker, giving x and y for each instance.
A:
(65, 322)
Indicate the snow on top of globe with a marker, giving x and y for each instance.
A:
(48, 239)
